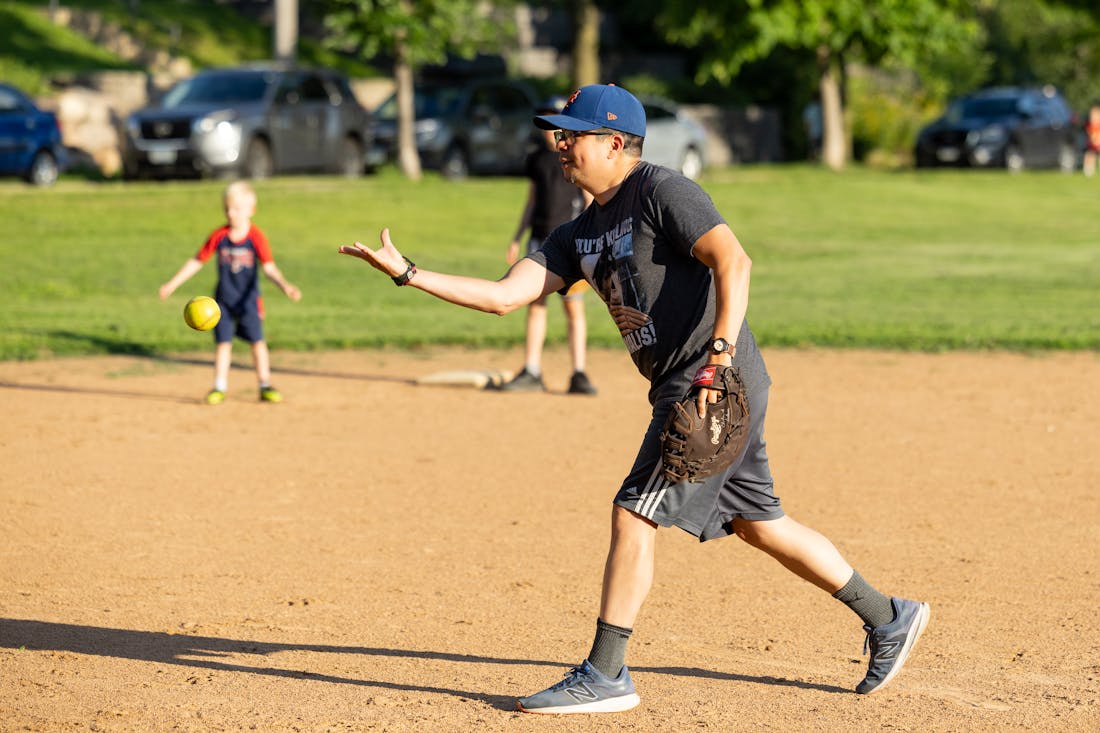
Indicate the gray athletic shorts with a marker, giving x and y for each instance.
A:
(705, 509)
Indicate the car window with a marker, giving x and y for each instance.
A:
(484, 97)
(343, 89)
(982, 108)
(428, 102)
(655, 112)
(9, 102)
(218, 89)
(312, 89)
(287, 92)
(512, 100)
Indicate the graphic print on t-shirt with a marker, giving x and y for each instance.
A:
(236, 258)
(613, 274)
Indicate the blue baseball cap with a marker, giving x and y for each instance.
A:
(596, 106)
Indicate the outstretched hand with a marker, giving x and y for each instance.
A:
(384, 259)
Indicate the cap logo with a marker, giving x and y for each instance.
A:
(612, 116)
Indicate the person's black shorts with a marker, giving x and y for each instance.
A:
(246, 324)
(705, 509)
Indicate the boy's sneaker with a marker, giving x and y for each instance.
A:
(891, 643)
(214, 397)
(579, 384)
(525, 381)
(585, 689)
(270, 394)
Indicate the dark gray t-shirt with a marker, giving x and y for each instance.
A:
(635, 251)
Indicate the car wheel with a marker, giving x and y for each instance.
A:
(258, 162)
(692, 164)
(351, 158)
(1067, 158)
(456, 165)
(43, 170)
(1014, 159)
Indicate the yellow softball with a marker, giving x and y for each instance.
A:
(202, 313)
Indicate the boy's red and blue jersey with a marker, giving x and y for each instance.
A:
(238, 267)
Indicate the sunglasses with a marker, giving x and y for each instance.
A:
(569, 136)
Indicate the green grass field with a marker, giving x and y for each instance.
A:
(906, 260)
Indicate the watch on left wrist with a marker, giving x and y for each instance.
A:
(403, 278)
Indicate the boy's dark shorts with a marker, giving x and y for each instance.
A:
(246, 324)
(705, 509)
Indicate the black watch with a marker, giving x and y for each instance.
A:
(720, 346)
(403, 278)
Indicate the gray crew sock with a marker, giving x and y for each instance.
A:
(873, 607)
(609, 648)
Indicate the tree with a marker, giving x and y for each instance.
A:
(1045, 42)
(731, 33)
(413, 33)
(585, 20)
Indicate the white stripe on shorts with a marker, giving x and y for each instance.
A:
(653, 493)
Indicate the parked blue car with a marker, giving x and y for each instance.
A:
(30, 139)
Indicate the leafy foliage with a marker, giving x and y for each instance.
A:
(735, 33)
(428, 29)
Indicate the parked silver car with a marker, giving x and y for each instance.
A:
(673, 139)
(252, 121)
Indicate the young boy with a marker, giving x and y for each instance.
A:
(240, 245)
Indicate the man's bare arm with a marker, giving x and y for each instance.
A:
(524, 283)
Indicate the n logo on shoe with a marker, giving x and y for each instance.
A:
(581, 692)
(888, 650)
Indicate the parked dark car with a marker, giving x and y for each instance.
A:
(463, 126)
(1009, 127)
(30, 139)
(253, 122)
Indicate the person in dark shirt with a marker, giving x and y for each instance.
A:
(551, 201)
(675, 280)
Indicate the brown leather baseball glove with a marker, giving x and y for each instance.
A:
(694, 447)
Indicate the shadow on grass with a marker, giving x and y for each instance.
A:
(213, 653)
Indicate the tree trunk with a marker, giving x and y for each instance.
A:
(834, 141)
(586, 42)
(408, 158)
(286, 30)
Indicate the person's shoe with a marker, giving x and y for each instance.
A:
(579, 384)
(525, 381)
(270, 394)
(214, 397)
(891, 643)
(585, 689)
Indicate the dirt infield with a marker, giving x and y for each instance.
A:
(375, 555)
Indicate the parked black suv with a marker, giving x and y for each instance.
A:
(1010, 127)
(463, 126)
(252, 121)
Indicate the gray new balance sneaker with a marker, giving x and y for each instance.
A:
(891, 643)
(585, 689)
